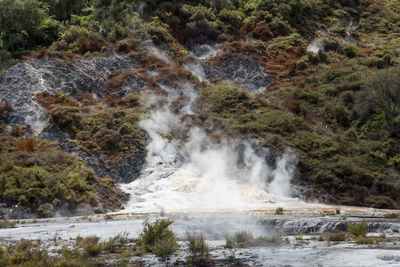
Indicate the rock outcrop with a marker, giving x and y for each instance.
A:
(20, 85)
(245, 71)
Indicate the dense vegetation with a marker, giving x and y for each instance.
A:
(339, 107)
(98, 126)
(38, 176)
(193, 250)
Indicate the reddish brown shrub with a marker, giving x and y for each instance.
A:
(95, 45)
(46, 100)
(83, 44)
(129, 101)
(26, 144)
(110, 101)
(40, 52)
(85, 98)
(262, 31)
(119, 79)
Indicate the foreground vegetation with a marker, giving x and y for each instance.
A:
(158, 240)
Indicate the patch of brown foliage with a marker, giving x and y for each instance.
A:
(262, 32)
(282, 65)
(46, 100)
(68, 57)
(86, 45)
(129, 101)
(150, 82)
(86, 99)
(26, 144)
(174, 75)
(119, 79)
(255, 50)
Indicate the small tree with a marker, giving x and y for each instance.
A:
(165, 247)
(198, 250)
(19, 24)
(358, 229)
(153, 232)
(158, 239)
(381, 93)
(63, 9)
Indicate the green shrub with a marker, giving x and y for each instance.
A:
(358, 229)
(395, 162)
(158, 31)
(302, 64)
(352, 133)
(361, 240)
(225, 96)
(336, 237)
(66, 117)
(77, 39)
(380, 201)
(232, 18)
(273, 240)
(293, 42)
(315, 145)
(64, 9)
(27, 253)
(165, 247)
(336, 75)
(299, 237)
(391, 215)
(380, 93)
(199, 24)
(90, 245)
(241, 239)
(39, 170)
(295, 12)
(350, 51)
(45, 210)
(116, 243)
(279, 211)
(6, 61)
(20, 22)
(244, 239)
(198, 250)
(154, 232)
(280, 27)
(342, 116)
(111, 131)
(267, 120)
(6, 223)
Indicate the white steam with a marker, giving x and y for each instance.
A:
(197, 70)
(156, 51)
(194, 173)
(283, 174)
(187, 171)
(204, 52)
(314, 47)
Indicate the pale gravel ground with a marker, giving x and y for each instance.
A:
(214, 226)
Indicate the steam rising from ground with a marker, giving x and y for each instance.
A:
(188, 171)
(204, 51)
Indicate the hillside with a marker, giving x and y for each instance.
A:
(317, 77)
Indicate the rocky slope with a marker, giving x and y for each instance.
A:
(22, 85)
(309, 75)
